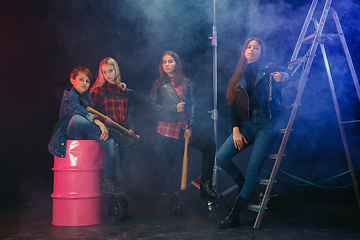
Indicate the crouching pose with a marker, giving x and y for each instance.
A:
(76, 123)
(173, 100)
(254, 92)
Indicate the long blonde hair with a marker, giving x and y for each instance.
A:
(100, 80)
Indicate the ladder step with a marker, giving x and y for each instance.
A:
(265, 181)
(328, 37)
(254, 207)
(282, 131)
(274, 156)
(306, 39)
(296, 61)
(291, 106)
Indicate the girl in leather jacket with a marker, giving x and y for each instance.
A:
(173, 100)
(254, 93)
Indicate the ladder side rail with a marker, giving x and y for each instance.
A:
(346, 51)
(304, 30)
(338, 115)
(285, 139)
(303, 79)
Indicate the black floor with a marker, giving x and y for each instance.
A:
(153, 221)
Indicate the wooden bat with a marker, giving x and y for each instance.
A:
(185, 163)
(103, 118)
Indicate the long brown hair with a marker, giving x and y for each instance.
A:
(240, 68)
(180, 79)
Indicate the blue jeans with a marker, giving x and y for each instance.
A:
(121, 156)
(80, 128)
(261, 132)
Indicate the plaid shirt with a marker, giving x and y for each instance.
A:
(172, 129)
(112, 102)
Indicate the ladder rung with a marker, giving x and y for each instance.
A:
(265, 181)
(328, 37)
(355, 121)
(287, 107)
(254, 207)
(274, 156)
(282, 131)
(307, 38)
(261, 196)
(296, 61)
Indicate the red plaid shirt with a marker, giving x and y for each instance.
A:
(112, 102)
(172, 129)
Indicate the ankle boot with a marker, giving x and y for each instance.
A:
(232, 219)
(109, 186)
(176, 212)
(207, 191)
(174, 208)
(123, 209)
(118, 209)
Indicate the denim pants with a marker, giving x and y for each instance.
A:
(168, 147)
(121, 156)
(80, 128)
(261, 132)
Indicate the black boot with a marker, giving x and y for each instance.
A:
(109, 186)
(232, 219)
(118, 209)
(123, 210)
(176, 212)
(174, 208)
(207, 191)
(240, 182)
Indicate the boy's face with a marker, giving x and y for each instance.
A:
(81, 82)
(108, 72)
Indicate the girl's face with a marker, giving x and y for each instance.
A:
(168, 64)
(81, 82)
(252, 51)
(108, 72)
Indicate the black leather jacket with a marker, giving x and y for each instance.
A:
(270, 106)
(164, 99)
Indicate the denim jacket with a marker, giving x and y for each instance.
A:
(71, 104)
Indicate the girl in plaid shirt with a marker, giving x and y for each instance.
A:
(112, 98)
(173, 100)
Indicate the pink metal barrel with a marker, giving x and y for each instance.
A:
(77, 196)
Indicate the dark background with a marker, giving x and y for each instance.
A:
(42, 40)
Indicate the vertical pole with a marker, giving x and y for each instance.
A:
(214, 113)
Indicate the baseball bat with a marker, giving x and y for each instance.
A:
(185, 163)
(103, 118)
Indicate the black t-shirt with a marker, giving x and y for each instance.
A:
(250, 74)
